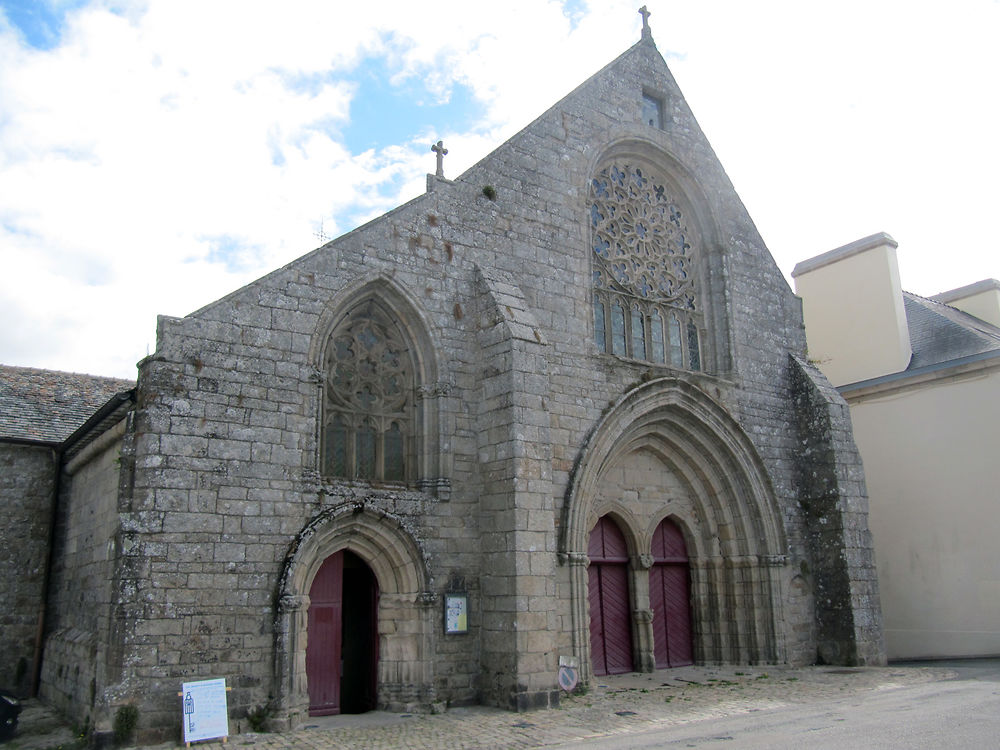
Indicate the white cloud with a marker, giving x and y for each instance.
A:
(169, 151)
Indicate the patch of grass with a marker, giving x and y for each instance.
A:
(126, 719)
(258, 717)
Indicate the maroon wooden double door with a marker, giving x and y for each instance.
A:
(610, 610)
(342, 647)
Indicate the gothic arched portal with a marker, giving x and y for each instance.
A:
(375, 562)
(667, 448)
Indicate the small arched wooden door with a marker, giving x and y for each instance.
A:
(610, 613)
(341, 650)
(670, 598)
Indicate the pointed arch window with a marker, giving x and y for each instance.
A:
(644, 262)
(369, 398)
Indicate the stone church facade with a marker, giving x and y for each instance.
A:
(567, 389)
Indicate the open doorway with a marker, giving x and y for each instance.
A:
(342, 648)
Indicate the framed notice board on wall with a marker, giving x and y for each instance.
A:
(456, 613)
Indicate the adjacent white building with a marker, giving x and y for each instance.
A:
(922, 378)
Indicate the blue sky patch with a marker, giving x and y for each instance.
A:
(39, 21)
(383, 114)
(236, 254)
(574, 10)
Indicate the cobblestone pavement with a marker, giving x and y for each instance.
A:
(613, 706)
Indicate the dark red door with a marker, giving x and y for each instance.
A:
(342, 646)
(610, 613)
(670, 598)
(323, 646)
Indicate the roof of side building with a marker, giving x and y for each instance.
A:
(48, 405)
(940, 333)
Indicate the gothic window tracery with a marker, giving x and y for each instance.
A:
(368, 402)
(645, 299)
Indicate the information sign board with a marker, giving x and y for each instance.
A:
(456, 613)
(206, 713)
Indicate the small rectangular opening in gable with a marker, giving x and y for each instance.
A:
(652, 110)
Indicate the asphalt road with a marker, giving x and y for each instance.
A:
(960, 713)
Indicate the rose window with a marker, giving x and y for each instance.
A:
(645, 303)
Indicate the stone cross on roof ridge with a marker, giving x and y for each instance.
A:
(646, 33)
(439, 149)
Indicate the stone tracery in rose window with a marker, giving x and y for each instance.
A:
(640, 240)
(643, 269)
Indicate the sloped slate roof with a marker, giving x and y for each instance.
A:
(47, 405)
(940, 333)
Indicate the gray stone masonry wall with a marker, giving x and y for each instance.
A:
(27, 482)
(78, 625)
(752, 317)
(835, 500)
(518, 585)
(226, 427)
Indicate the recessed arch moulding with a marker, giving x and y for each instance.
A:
(668, 450)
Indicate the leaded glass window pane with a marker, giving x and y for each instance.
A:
(394, 454)
(656, 337)
(676, 349)
(694, 353)
(365, 452)
(336, 447)
(638, 335)
(599, 334)
(618, 330)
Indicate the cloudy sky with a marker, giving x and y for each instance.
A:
(157, 154)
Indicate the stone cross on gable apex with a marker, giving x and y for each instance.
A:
(439, 149)
(646, 33)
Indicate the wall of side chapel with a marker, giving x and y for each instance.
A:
(78, 625)
(227, 474)
(27, 484)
